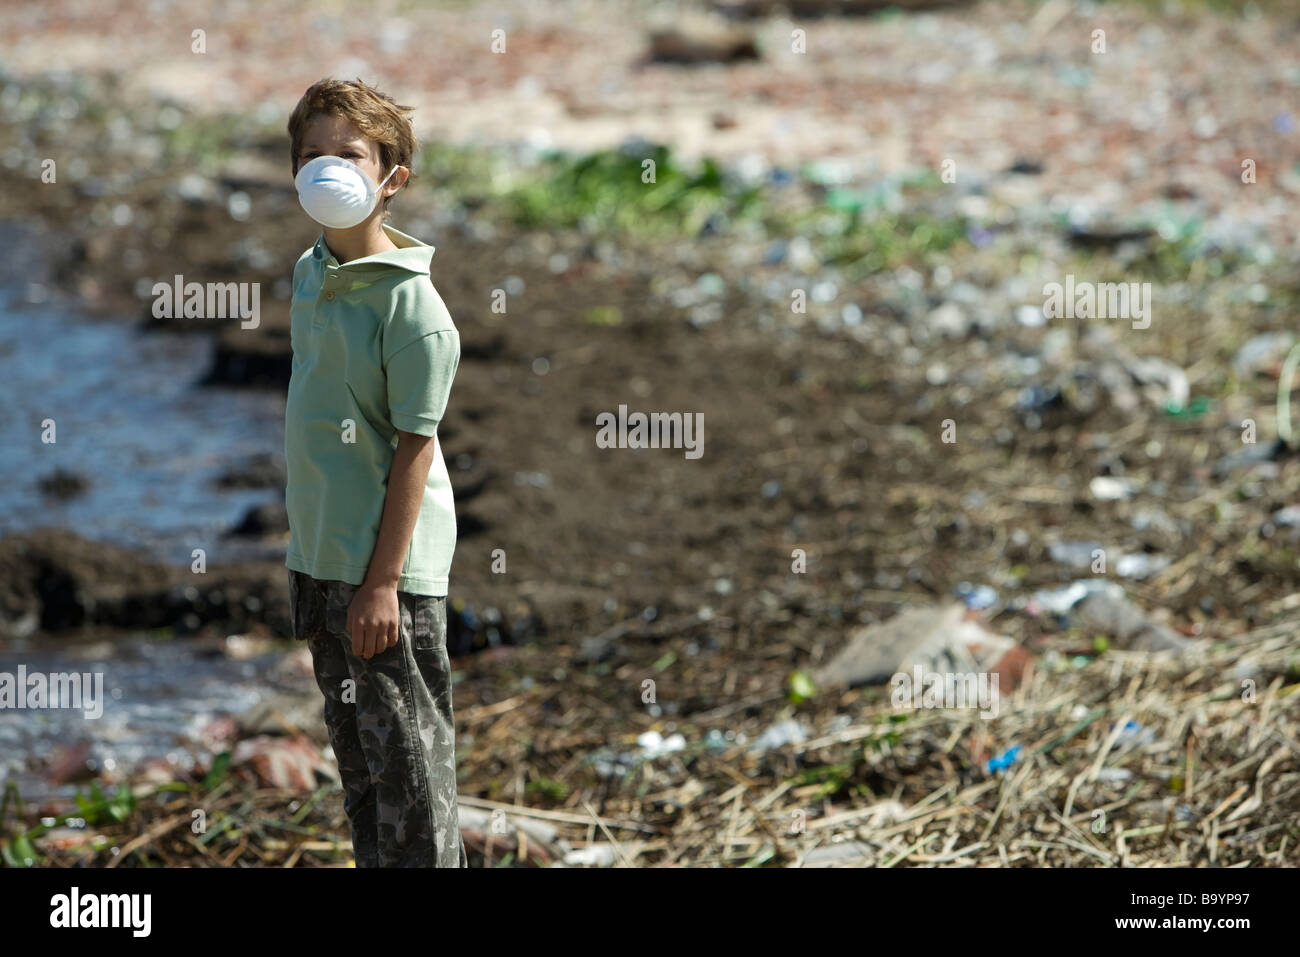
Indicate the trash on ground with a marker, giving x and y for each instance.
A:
(936, 639)
(291, 763)
(1003, 760)
(779, 735)
(1125, 624)
(1060, 601)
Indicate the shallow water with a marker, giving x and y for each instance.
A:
(129, 419)
(157, 698)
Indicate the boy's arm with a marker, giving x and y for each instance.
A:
(421, 352)
(373, 616)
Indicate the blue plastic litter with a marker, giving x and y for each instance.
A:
(977, 597)
(1133, 732)
(1003, 760)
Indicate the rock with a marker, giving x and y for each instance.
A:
(258, 471)
(1026, 167)
(53, 580)
(71, 764)
(1107, 236)
(254, 357)
(62, 484)
(702, 46)
(65, 581)
(262, 520)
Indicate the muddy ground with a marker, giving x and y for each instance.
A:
(830, 441)
(823, 433)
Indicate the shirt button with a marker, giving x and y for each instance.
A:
(329, 295)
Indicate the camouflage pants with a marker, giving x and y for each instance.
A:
(390, 724)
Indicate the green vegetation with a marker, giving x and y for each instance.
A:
(552, 790)
(648, 193)
(833, 779)
(94, 808)
(607, 192)
(800, 687)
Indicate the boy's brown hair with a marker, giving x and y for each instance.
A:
(375, 114)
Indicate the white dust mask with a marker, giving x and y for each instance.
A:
(337, 192)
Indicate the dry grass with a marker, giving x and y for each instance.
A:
(1213, 779)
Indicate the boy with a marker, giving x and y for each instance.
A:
(372, 525)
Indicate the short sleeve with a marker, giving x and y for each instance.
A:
(421, 355)
(419, 381)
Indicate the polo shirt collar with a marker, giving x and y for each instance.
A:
(411, 254)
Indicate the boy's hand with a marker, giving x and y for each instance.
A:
(374, 620)
(373, 616)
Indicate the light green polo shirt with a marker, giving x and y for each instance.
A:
(374, 351)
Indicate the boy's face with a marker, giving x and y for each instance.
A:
(326, 135)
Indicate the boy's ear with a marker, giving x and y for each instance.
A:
(399, 179)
